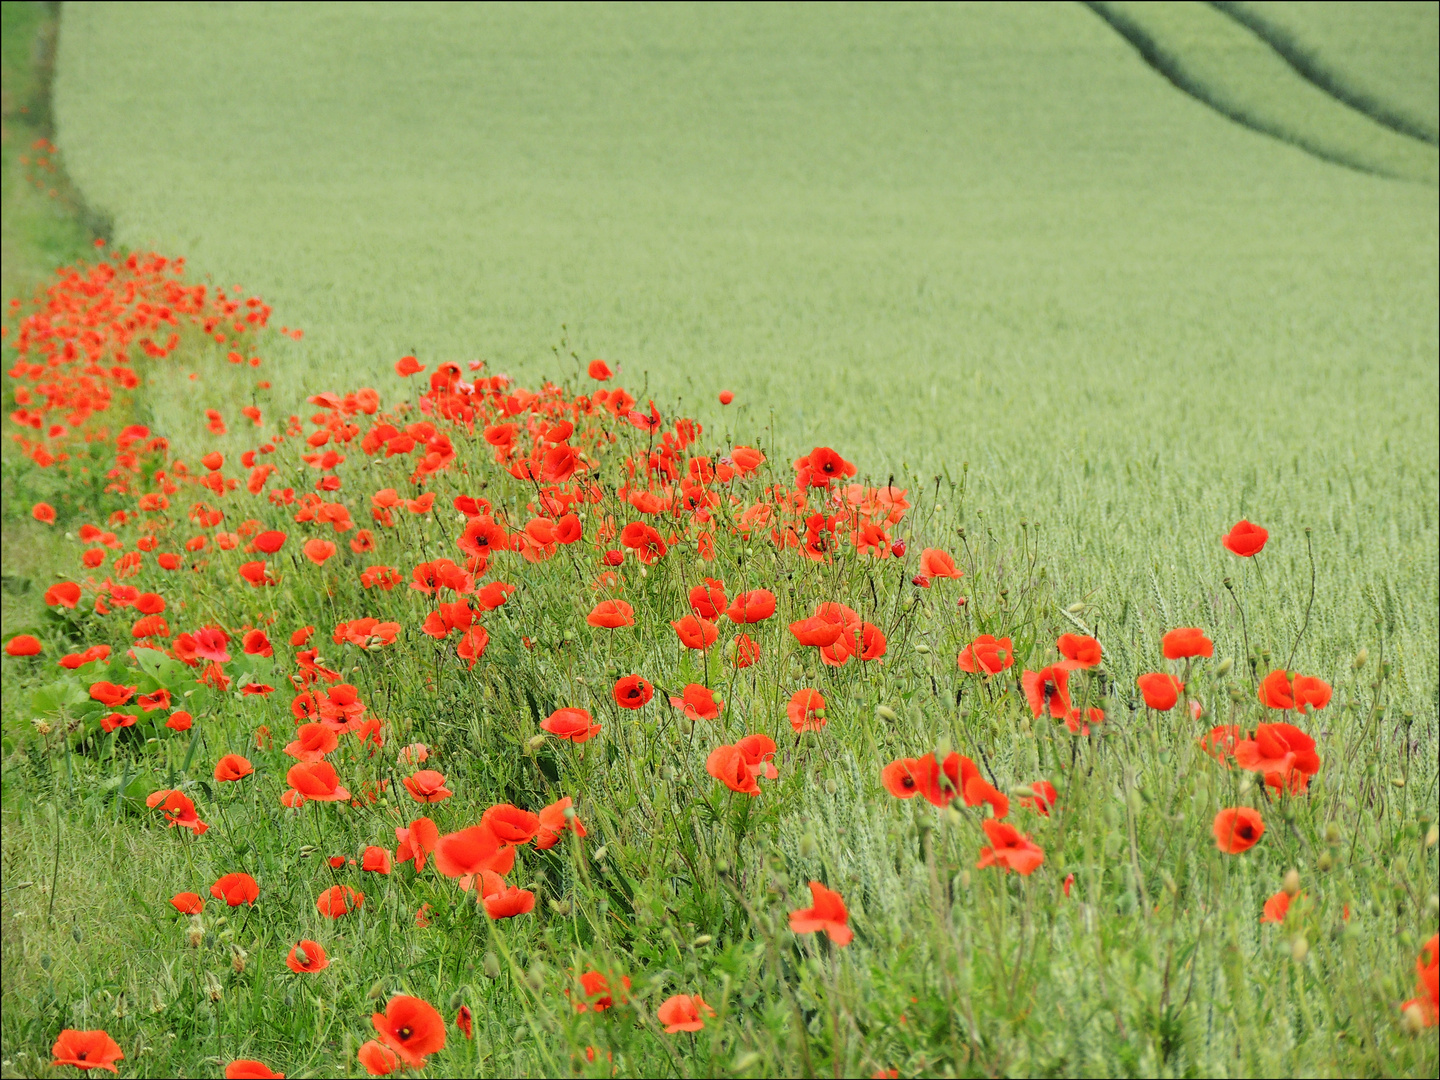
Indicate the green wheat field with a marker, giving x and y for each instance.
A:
(1089, 283)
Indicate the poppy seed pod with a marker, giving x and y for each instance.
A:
(490, 966)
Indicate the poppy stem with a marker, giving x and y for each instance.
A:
(1309, 550)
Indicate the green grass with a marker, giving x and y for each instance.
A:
(1224, 63)
(983, 234)
(1380, 56)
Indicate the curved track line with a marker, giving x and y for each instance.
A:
(1314, 70)
(1173, 69)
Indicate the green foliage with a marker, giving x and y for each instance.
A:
(925, 232)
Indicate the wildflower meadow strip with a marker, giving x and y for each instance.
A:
(454, 680)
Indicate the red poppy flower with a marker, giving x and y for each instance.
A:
(1220, 742)
(554, 820)
(1079, 727)
(427, 786)
(976, 790)
(1160, 690)
(726, 397)
(317, 551)
(683, 1012)
(307, 956)
(270, 541)
(188, 903)
(695, 633)
(1185, 642)
(599, 370)
(1078, 651)
(708, 600)
(339, 900)
(43, 513)
(611, 615)
(727, 764)
(1009, 849)
(378, 1059)
(377, 860)
(817, 631)
(23, 645)
(467, 852)
(63, 594)
(1278, 691)
(502, 900)
(86, 1050)
(753, 606)
(1281, 751)
(232, 767)
(412, 1028)
(510, 824)
(827, 913)
(1042, 800)
(72, 661)
(1427, 983)
(698, 703)
(111, 694)
(178, 809)
(1276, 908)
(236, 889)
(313, 780)
(407, 366)
(821, 467)
(935, 563)
(572, 725)
(465, 1021)
(746, 651)
(1245, 539)
(759, 754)
(804, 710)
(416, 842)
(900, 778)
(595, 992)
(986, 655)
(249, 1069)
(633, 692)
(1047, 689)
(1237, 829)
(312, 742)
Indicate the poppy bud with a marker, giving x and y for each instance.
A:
(722, 865)
(667, 773)
(1299, 949)
(1076, 608)
(884, 712)
(456, 1000)
(45, 961)
(1332, 833)
(600, 853)
(77, 934)
(490, 966)
(1433, 836)
(922, 649)
(830, 787)
(1361, 658)
(1223, 668)
(953, 816)
(561, 908)
(1412, 1019)
(807, 845)
(1292, 883)
(536, 742)
(377, 991)
(536, 975)
(1325, 862)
